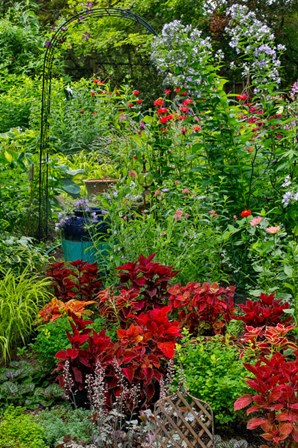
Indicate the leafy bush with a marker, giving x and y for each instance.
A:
(18, 429)
(21, 297)
(213, 373)
(27, 383)
(18, 254)
(51, 338)
(266, 310)
(65, 423)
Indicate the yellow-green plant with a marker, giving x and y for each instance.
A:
(21, 297)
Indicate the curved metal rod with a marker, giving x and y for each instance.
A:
(46, 97)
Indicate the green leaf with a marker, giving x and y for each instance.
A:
(288, 270)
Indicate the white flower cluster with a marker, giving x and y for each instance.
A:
(253, 41)
(289, 197)
(209, 6)
(182, 53)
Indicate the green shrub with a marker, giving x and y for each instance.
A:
(49, 340)
(65, 421)
(27, 383)
(18, 254)
(19, 430)
(214, 373)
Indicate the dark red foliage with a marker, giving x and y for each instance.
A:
(117, 305)
(266, 311)
(75, 280)
(276, 401)
(203, 309)
(142, 353)
(149, 279)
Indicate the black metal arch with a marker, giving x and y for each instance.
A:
(95, 13)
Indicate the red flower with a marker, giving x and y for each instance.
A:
(242, 97)
(139, 101)
(177, 90)
(165, 119)
(197, 128)
(136, 92)
(184, 109)
(245, 213)
(167, 91)
(93, 93)
(82, 111)
(187, 102)
(158, 102)
(130, 105)
(162, 110)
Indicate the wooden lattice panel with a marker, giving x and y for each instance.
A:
(183, 421)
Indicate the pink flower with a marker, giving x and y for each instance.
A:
(178, 215)
(186, 191)
(255, 221)
(213, 213)
(273, 230)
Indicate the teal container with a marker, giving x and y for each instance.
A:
(85, 251)
(78, 250)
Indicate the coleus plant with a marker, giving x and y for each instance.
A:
(264, 341)
(265, 311)
(203, 309)
(275, 400)
(141, 352)
(147, 278)
(143, 286)
(56, 308)
(75, 280)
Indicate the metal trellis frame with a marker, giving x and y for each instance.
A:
(96, 13)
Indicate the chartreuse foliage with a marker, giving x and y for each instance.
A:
(213, 373)
(18, 429)
(21, 297)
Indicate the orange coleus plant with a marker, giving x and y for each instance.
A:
(56, 308)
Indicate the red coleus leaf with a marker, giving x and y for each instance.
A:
(167, 348)
(242, 402)
(255, 422)
(129, 373)
(68, 353)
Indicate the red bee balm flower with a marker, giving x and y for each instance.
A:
(245, 213)
(139, 101)
(136, 92)
(242, 97)
(158, 102)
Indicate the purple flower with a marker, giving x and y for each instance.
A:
(86, 36)
(48, 44)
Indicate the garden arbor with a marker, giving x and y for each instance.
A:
(58, 37)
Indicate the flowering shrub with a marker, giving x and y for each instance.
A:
(205, 308)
